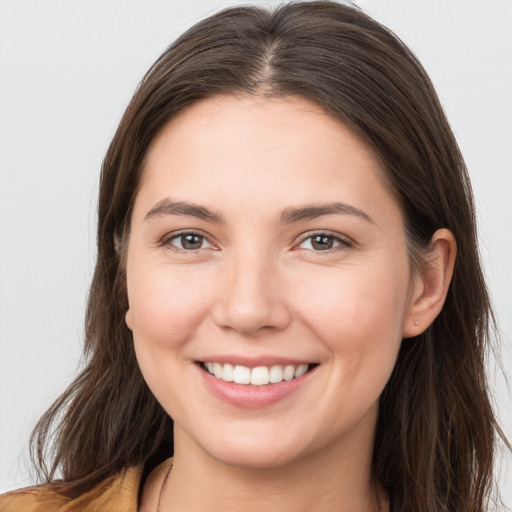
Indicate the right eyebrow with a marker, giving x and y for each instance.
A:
(169, 207)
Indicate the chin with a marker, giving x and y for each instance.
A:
(256, 450)
(260, 458)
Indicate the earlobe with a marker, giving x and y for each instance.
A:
(431, 286)
(129, 319)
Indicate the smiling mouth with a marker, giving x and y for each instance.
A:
(258, 376)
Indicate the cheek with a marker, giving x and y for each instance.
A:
(167, 306)
(167, 309)
(359, 316)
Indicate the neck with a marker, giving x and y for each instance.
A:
(337, 478)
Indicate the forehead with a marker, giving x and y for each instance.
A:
(285, 149)
(223, 125)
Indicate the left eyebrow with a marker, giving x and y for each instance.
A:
(307, 212)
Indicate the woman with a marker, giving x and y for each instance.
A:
(287, 268)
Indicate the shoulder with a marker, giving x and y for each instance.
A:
(118, 493)
(31, 499)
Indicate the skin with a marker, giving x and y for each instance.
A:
(257, 286)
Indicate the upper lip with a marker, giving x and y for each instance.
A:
(253, 362)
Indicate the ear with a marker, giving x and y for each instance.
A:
(430, 286)
(128, 318)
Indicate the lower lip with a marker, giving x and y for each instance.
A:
(250, 396)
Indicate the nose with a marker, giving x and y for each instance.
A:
(252, 299)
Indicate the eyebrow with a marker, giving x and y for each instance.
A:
(308, 212)
(169, 207)
(288, 216)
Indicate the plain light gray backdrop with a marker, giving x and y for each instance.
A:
(68, 70)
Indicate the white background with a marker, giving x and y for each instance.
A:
(68, 70)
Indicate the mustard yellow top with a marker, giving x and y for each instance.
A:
(118, 493)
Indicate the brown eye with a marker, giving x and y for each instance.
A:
(323, 242)
(189, 242)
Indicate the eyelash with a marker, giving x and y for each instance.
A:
(341, 241)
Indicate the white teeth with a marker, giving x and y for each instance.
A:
(217, 370)
(289, 372)
(276, 374)
(242, 375)
(227, 373)
(259, 376)
(301, 370)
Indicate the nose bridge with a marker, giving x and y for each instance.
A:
(252, 298)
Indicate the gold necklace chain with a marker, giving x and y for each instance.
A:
(162, 488)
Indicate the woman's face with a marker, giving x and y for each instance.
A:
(263, 243)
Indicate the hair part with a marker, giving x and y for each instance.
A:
(436, 431)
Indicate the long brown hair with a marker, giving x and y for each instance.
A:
(436, 430)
